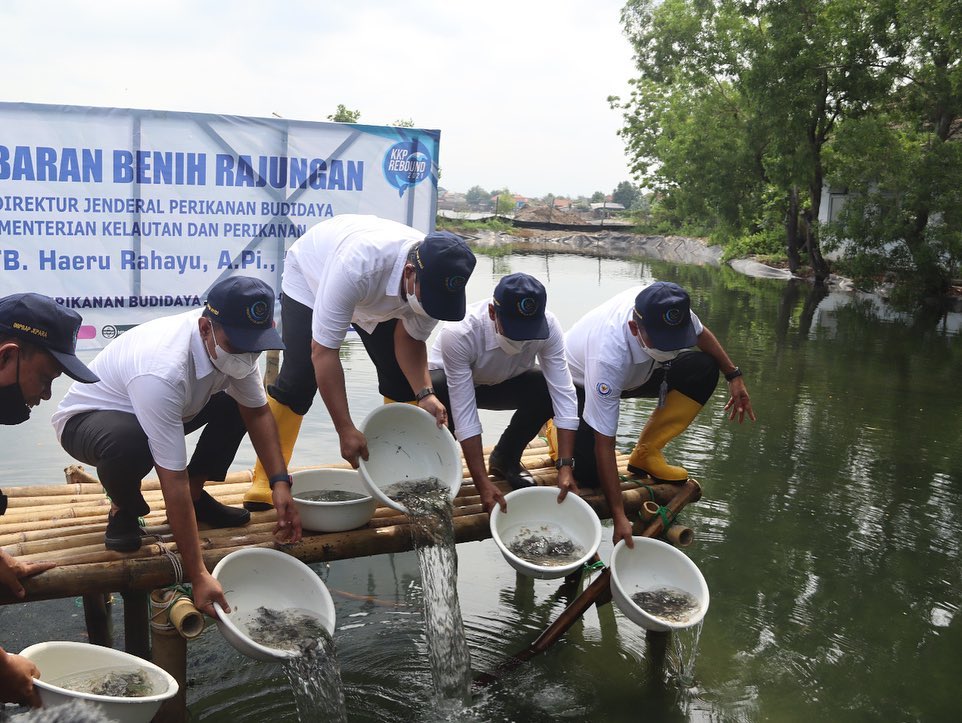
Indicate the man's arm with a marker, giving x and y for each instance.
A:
(330, 383)
(263, 433)
(12, 570)
(412, 357)
(175, 487)
(739, 403)
(16, 680)
(566, 450)
(607, 464)
(474, 458)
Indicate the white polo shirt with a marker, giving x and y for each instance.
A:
(348, 269)
(160, 372)
(469, 354)
(606, 359)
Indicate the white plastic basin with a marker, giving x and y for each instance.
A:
(651, 565)
(261, 577)
(533, 507)
(405, 443)
(332, 516)
(57, 659)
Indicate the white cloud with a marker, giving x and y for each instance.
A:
(518, 89)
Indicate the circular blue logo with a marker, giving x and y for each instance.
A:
(673, 316)
(455, 283)
(406, 164)
(528, 306)
(258, 312)
(604, 389)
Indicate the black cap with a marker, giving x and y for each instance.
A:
(444, 264)
(42, 321)
(519, 302)
(664, 309)
(244, 306)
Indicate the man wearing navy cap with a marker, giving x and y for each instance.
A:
(38, 342)
(507, 353)
(388, 281)
(639, 344)
(162, 380)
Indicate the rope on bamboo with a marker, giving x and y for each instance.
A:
(174, 560)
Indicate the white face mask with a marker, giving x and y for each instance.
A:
(236, 366)
(508, 346)
(657, 354)
(416, 305)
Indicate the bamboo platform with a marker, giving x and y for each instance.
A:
(65, 524)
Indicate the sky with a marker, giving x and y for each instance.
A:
(517, 88)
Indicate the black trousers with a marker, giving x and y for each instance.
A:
(116, 444)
(527, 393)
(693, 373)
(296, 384)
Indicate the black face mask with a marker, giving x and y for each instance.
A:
(13, 407)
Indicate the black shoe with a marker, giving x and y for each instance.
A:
(510, 472)
(124, 532)
(215, 514)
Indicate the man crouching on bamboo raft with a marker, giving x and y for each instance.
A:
(161, 381)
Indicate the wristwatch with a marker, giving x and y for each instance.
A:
(426, 392)
(280, 478)
(565, 462)
(733, 374)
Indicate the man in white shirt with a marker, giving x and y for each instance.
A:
(162, 380)
(487, 361)
(635, 346)
(392, 284)
(38, 342)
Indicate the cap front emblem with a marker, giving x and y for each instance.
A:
(258, 312)
(528, 306)
(673, 316)
(455, 283)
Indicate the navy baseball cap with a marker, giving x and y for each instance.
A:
(244, 306)
(42, 321)
(444, 264)
(664, 309)
(519, 302)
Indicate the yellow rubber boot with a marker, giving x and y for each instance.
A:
(551, 436)
(664, 424)
(388, 400)
(258, 497)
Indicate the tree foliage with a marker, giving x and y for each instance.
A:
(742, 110)
(344, 115)
(626, 194)
(477, 196)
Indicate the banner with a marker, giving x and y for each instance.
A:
(125, 215)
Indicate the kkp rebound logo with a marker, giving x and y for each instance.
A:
(406, 164)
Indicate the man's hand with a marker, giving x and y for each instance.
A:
(491, 496)
(288, 527)
(622, 531)
(207, 591)
(433, 406)
(16, 680)
(566, 483)
(739, 404)
(12, 570)
(353, 446)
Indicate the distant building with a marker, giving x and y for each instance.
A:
(606, 209)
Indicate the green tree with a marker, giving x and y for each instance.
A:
(477, 196)
(737, 101)
(902, 165)
(505, 201)
(403, 123)
(344, 115)
(625, 194)
(598, 197)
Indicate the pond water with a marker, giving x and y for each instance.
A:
(829, 534)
